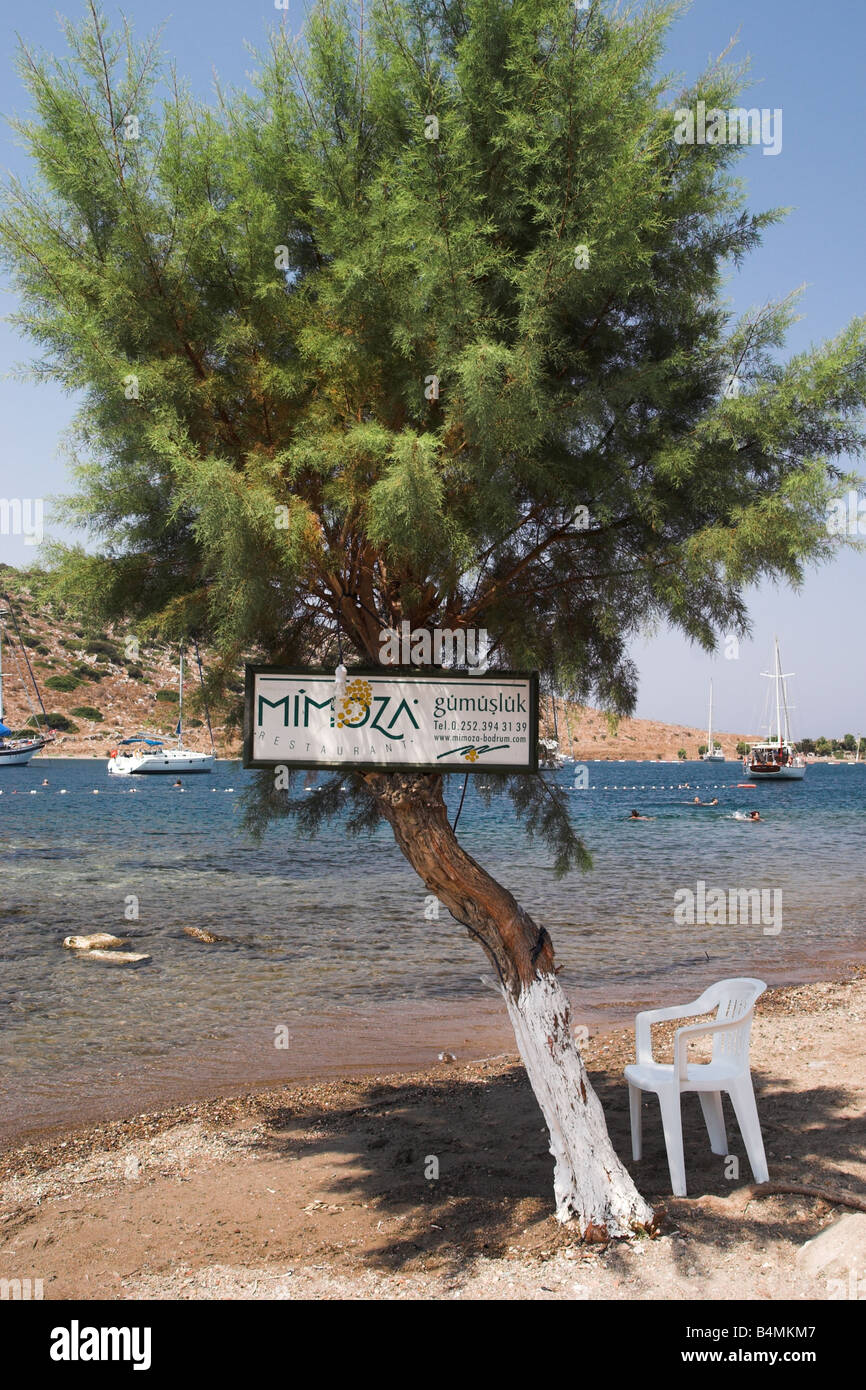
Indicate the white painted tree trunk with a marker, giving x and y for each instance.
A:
(590, 1184)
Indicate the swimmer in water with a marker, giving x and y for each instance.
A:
(754, 815)
(178, 783)
(634, 816)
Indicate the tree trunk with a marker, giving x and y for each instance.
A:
(591, 1185)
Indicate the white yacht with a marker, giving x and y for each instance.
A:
(776, 759)
(549, 754)
(140, 755)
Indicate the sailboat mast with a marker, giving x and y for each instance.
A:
(710, 728)
(180, 706)
(778, 695)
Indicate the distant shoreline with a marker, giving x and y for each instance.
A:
(658, 762)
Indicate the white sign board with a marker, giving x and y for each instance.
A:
(392, 719)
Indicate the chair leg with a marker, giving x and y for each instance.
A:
(635, 1097)
(714, 1119)
(743, 1100)
(669, 1100)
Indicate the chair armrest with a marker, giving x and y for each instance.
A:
(643, 1032)
(683, 1036)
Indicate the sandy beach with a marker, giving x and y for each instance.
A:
(319, 1191)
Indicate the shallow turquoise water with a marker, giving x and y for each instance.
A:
(329, 938)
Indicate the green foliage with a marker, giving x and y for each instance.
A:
(66, 681)
(742, 749)
(87, 712)
(682, 754)
(99, 647)
(825, 746)
(169, 697)
(61, 723)
(252, 299)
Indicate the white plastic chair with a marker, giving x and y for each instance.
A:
(727, 1071)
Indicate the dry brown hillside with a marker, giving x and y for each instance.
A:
(95, 687)
(117, 694)
(586, 733)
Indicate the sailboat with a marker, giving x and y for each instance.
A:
(776, 760)
(15, 751)
(549, 753)
(141, 755)
(713, 754)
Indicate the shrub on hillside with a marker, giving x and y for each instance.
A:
(169, 697)
(67, 681)
(61, 723)
(99, 647)
(87, 712)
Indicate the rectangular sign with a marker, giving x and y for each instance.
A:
(392, 719)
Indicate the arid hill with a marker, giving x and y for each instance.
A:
(98, 687)
(586, 733)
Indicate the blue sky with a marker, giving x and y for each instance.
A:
(806, 59)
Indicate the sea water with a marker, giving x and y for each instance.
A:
(338, 959)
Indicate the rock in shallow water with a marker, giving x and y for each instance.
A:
(97, 940)
(114, 957)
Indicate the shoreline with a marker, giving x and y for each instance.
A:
(609, 1029)
(414, 1032)
(320, 1190)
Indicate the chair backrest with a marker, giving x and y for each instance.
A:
(735, 999)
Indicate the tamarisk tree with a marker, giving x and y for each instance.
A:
(425, 325)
